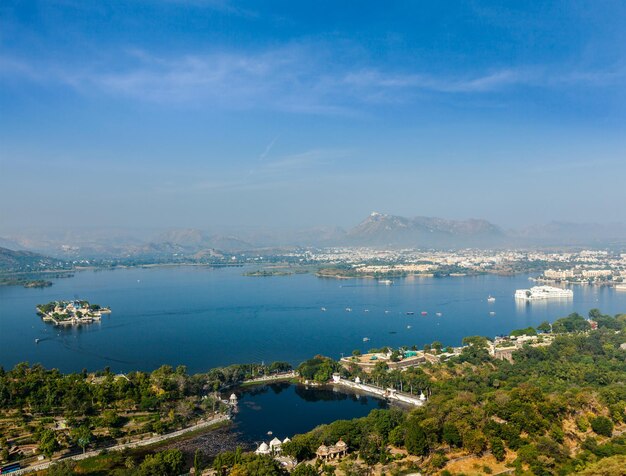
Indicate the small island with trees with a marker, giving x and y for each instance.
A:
(71, 312)
(265, 273)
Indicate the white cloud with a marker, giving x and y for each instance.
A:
(295, 78)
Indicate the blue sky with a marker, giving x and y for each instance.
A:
(218, 114)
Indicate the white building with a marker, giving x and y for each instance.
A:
(543, 292)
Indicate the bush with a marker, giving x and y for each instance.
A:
(602, 426)
(497, 449)
(438, 460)
(582, 423)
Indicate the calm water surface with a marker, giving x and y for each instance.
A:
(286, 410)
(206, 317)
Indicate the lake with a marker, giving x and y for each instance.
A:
(282, 409)
(285, 409)
(205, 317)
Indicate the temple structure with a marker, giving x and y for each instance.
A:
(337, 450)
(275, 447)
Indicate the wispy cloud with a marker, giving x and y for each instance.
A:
(268, 149)
(287, 170)
(291, 78)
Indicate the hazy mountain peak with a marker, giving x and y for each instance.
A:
(390, 230)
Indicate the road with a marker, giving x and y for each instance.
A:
(135, 444)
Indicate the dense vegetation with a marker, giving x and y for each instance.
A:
(55, 411)
(555, 410)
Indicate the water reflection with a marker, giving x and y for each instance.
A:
(285, 409)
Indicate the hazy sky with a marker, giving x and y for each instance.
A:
(217, 114)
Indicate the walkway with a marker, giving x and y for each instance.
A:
(134, 444)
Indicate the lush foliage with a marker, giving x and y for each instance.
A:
(527, 408)
(100, 408)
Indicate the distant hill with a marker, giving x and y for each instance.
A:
(26, 261)
(389, 230)
(376, 230)
(194, 240)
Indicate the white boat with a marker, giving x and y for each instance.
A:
(491, 299)
(387, 311)
(323, 309)
(366, 339)
(438, 314)
(492, 313)
(348, 309)
(386, 282)
(366, 310)
(408, 327)
(543, 292)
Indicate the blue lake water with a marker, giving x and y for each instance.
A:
(205, 317)
(285, 410)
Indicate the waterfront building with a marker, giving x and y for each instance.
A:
(559, 274)
(597, 273)
(276, 446)
(543, 292)
(367, 362)
(263, 449)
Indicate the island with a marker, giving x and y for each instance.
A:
(267, 273)
(71, 312)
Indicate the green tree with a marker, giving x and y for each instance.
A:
(602, 426)
(197, 462)
(258, 466)
(164, 463)
(62, 468)
(451, 434)
(415, 440)
(497, 449)
(474, 441)
(304, 470)
(475, 341)
(48, 443)
(544, 327)
(81, 436)
(371, 449)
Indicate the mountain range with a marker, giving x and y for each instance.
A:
(376, 230)
(388, 230)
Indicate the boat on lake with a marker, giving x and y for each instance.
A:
(424, 313)
(409, 313)
(491, 299)
(386, 282)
